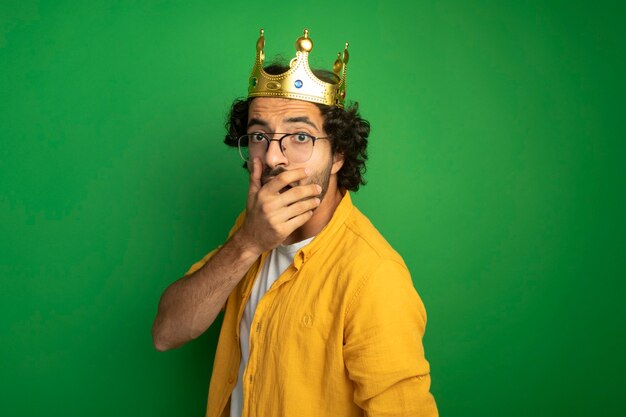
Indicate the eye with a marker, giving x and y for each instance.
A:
(301, 137)
(256, 137)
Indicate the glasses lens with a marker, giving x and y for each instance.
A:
(298, 147)
(244, 152)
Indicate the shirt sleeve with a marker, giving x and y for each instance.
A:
(383, 350)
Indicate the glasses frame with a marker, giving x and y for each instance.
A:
(269, 141)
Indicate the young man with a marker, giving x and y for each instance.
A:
(321, 317)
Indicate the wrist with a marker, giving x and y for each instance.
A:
(245, 245)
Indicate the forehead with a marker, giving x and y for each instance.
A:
(276, 109)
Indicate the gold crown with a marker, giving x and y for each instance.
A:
(299, 82)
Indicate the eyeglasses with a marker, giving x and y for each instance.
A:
(296, 147)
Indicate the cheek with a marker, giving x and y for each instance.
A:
(321, 157)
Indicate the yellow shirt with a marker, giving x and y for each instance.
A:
(338, 334)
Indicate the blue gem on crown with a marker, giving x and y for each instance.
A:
(298, 83)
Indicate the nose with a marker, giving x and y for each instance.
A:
(274, 156)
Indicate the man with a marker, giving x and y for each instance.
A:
(321, 317)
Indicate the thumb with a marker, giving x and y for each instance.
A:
(255, 176)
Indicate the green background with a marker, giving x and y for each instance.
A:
(496, 170)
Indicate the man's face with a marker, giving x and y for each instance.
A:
(278, 115)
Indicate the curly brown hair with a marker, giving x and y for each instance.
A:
(347, 130)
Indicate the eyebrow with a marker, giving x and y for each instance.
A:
(300, 119)
(255, 121)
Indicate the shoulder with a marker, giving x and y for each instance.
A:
(377, 270)
(368, 244)
(360, 252)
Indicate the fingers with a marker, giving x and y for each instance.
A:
(300, 192)
(297, 209)
(255, 176)
(285, 178)
(273, 215)
(298, 221)
(274, 204)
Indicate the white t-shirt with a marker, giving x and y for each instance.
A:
(276, 263)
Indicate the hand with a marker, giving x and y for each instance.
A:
(271, 215)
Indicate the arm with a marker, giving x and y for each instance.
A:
(189, 306)
(383, 351)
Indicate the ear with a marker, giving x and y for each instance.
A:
(337, 162)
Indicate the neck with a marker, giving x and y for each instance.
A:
(321, 216)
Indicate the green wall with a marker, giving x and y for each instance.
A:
(496, 170)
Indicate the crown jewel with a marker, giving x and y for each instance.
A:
(299, 82)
